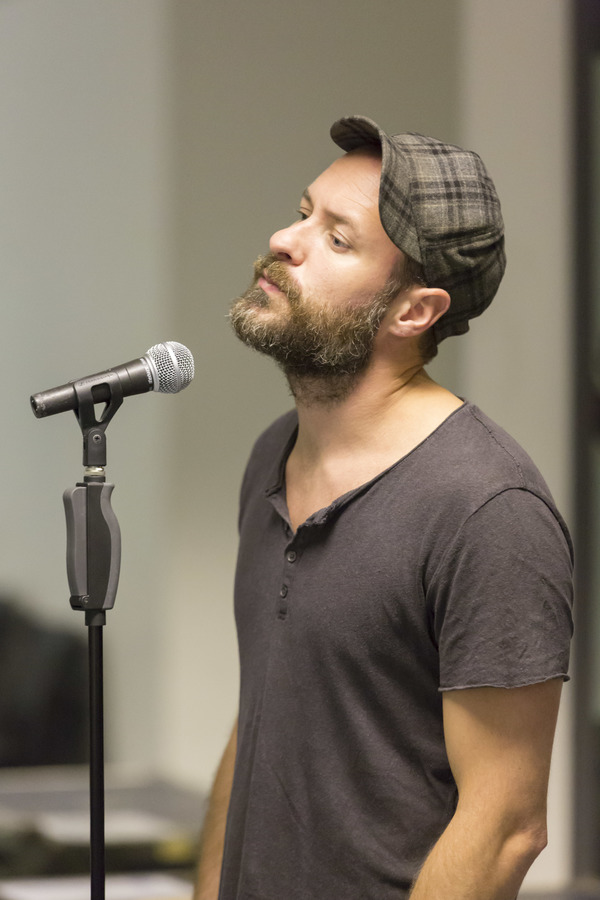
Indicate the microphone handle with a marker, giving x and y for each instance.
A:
(135, 377)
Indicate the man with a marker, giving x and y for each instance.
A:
(403, 585)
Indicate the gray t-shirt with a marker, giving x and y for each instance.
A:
(452, 569)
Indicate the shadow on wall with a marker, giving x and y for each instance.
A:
(43, 692)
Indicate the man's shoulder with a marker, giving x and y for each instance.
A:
(469, 462)
(477, 482)
(473, 443)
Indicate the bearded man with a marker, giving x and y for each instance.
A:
(403, 587)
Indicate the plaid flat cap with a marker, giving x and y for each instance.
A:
(438, 204)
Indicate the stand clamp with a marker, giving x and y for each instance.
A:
(93, 533)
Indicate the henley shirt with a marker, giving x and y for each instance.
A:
(450, 570)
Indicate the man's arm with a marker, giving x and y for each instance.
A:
(499, 743)
(213, 832)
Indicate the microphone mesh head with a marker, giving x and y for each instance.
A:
(173, 366)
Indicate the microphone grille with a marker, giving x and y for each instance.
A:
(172, 365)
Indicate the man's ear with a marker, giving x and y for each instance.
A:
(417, 309)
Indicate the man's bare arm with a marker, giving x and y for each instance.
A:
(213, 832)
(499, 744)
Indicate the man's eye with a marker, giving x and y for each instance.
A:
(303, 213)
(338, 243)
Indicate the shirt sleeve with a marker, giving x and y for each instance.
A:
(502, 597)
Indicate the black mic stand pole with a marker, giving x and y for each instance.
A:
(93, 564)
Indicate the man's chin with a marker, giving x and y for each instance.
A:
(252, 319)
(254, 298)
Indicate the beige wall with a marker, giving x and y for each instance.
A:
(516, 109)
(254, 94)
(515, 114)
(148, 150)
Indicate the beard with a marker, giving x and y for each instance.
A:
(322, 350)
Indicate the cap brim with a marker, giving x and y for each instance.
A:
(353, 132)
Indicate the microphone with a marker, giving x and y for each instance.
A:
(167, 368)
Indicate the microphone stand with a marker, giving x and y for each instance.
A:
(93, 564)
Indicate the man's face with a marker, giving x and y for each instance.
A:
(318, 298)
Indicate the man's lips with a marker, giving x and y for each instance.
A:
(268, 285)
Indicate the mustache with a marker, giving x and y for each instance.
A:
(277, 272)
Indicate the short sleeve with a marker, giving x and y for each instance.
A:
(502, 596)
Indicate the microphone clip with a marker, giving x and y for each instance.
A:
(93, 429)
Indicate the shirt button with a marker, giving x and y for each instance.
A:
(283, 591)
(291, 557)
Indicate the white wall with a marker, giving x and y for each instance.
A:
(83, 286)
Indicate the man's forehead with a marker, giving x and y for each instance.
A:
(364, 162)
(351, 181)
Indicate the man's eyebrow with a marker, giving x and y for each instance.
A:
(336, 217)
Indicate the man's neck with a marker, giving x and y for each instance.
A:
(345, 444)
(380, 415)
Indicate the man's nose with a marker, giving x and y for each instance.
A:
(287, 245)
